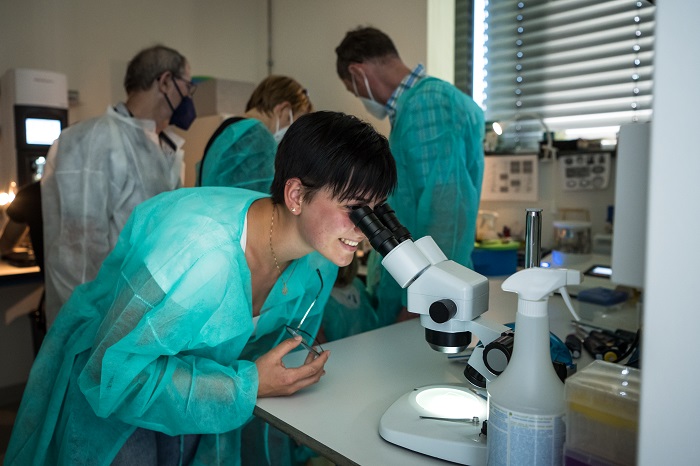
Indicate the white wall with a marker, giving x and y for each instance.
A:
(91, 42)
(440, 61)
(670, 369)
(307, 32)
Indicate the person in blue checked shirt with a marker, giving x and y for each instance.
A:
(163, 355)
(436, 139)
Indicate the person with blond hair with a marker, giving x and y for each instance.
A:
(241, 152)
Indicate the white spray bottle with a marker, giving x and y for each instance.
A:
(526, 402)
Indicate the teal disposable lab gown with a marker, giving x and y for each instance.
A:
(437, 142)
(241, 156)
(163, 338)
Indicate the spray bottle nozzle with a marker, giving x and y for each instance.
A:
(536, 284)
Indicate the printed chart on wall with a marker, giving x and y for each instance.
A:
(510, 178)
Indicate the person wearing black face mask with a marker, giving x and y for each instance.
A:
(98, 170)
(184, 114)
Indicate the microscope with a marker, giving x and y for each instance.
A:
(446, 421)
(450, 299)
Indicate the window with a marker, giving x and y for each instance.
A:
(579, 64)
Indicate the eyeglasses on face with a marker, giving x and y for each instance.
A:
(191, 87)
(307, 341)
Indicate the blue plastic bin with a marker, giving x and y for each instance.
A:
(496, 259)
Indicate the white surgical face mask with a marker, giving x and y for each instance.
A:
(373, 107)
(279, 132)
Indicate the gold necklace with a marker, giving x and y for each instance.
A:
(274, 256)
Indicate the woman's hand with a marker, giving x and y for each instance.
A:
(274, 379)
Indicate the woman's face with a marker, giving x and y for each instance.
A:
(327, 227)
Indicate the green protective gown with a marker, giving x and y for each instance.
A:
(437, 142)
(163, 338)
(241, 156)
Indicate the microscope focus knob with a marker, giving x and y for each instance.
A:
(497, 353)
(443, 310)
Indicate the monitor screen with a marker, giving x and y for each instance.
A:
(41, 131)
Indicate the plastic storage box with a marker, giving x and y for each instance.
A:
(600, 300)
(573, 457)
(495, 257)
(602, 415)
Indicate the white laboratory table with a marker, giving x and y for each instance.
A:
(366, 373)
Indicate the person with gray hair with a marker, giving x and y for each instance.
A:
(98, 170)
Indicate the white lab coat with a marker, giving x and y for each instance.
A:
(96, 173)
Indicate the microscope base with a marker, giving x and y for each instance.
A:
(451, 440)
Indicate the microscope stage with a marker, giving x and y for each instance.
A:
(455, 439)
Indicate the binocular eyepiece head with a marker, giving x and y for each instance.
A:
(379, 236)
(380, 226)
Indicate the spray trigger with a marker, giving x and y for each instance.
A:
(567, 300)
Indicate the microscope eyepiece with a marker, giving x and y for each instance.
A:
(388, 217)
(379, 236)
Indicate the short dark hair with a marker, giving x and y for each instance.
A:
(149, 64)
(274, 90)
(335, 151)
(361, 44)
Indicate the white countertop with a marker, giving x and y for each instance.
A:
(366, 373)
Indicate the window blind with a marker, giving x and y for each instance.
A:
(575, 63)
(464, 45)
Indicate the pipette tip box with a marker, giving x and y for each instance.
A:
(602, 415)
